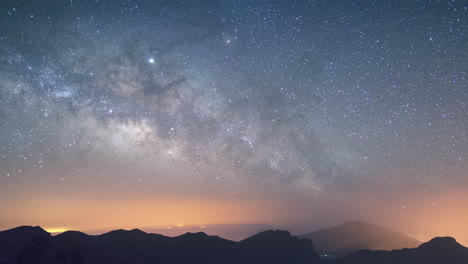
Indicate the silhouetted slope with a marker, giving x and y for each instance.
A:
(355, 235)
(14, 240)
(277, 247)
(201, 247)
(136, 246)
(119, 246)
(440, 250)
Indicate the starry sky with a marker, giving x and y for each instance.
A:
(297, 114)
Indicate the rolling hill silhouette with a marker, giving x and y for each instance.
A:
(352, 236)
(27, 245)
(437, 251)
(270, 246)
(33, 245)
(13, 241)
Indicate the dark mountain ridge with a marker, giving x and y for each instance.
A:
(27, 245)
(437, 251)
(273, 243)
(34, 245)
(13, 240)
(352, 236)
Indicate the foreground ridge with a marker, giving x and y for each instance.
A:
(438, 250)
(34, 245)
(352, 236)
(27, 245)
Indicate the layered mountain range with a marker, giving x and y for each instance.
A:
(352, 236)
(34, 245)
(440, 250)
(27, 245)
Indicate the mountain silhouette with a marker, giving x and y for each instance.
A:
(278, 247)
(27, 245)
(352, 236)
(14, 240)
(437, 251)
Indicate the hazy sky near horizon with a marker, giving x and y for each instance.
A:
(298, 114)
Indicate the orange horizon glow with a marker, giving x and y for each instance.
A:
(422, 217)
(56, 230)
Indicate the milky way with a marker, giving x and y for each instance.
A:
(307, 99)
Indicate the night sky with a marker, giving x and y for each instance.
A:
(293, 114)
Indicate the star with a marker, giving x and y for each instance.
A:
(303, 101)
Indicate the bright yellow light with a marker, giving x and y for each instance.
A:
(56, 230)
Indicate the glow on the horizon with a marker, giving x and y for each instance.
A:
(56, 230)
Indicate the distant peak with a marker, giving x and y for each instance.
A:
(357, 222)
(136, 230)
(270, 235)
(196, 234)
(73, 233)
(443, 240)
(126, 232)
(275, 233)
(28, 229)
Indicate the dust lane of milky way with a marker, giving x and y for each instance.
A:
(297, 114)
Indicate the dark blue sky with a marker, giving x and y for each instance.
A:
(291, 102)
